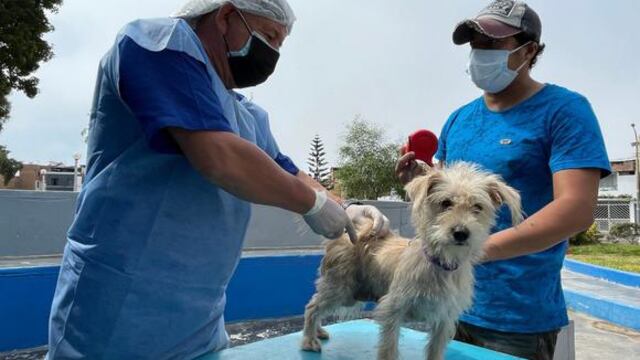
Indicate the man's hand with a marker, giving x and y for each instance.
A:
(380, 222)
(407, 168)
(328, 218)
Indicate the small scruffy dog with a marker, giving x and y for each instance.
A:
(429, 279)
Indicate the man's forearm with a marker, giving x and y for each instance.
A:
(557, 221)
(244, 170)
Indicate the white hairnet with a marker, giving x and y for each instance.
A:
(276, 10)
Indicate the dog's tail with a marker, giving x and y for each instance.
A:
(364, 230)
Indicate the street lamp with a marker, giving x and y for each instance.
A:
(76, 157)
(636, 144)
(43, 180)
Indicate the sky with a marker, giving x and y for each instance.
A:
(392, 63)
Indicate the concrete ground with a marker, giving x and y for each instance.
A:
(594, 339)
(598, 340)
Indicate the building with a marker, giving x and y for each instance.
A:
(52, 177)
(25, 179)
(58, 178)
(617, 202)
(334, 184)
(622, 181)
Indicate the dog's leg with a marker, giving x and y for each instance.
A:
(441, 334)
(321, 332)
(322, 303)
(389, 313)
(310, 340)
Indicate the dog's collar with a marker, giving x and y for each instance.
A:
(442, 265)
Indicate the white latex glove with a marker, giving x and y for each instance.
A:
(328, 218)
(380, 222)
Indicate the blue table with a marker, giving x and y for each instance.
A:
(351, 340)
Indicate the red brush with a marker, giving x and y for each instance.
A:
(424, 144)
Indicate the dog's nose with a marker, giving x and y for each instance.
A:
(460, 234)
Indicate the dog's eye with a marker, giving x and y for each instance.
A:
(477, 208)
(445, 204)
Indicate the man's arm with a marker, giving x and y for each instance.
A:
(571, 211)
(244, 170)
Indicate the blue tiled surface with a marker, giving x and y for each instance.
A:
(354, 340)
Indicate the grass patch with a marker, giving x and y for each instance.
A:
(616, 256)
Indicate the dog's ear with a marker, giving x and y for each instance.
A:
(503, 194)
(422, 186)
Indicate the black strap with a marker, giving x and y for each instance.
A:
(348, 203)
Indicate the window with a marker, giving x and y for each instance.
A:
(610, 183)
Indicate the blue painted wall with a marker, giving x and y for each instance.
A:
(262, 287)
(25, 300)
(271, 287)
(603, 308)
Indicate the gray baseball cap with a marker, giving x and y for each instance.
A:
(499, 20)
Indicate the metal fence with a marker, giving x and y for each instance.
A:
(609, 212)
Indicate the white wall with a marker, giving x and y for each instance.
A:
(626, 186)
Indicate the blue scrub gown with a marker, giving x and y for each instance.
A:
(153, 244)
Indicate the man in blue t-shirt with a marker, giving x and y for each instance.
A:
(545, 141)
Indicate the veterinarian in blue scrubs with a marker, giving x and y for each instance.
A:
(174, 159)
(545, 141)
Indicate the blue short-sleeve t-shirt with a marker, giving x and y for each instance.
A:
(554, 130)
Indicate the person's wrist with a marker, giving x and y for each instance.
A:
(303, 196)
(319, 201)
(491, 249)
(346, 203)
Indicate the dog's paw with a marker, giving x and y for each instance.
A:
(311, 344)
(322, 334)
(388, 354)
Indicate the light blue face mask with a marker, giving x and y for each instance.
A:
(489, 69)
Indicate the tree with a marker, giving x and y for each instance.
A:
(317, 164)
(367, 162)
(8, 167)
(22, 47)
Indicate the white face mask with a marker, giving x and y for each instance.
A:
(489, 69)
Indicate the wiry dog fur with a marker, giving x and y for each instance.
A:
(453, 212)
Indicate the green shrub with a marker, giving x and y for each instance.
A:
(625, 231)
(587, 237)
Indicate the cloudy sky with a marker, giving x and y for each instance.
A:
(391, 62)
